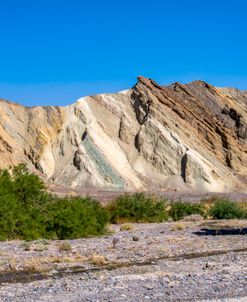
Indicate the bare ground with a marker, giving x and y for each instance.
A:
(174, 261)
(107, 195)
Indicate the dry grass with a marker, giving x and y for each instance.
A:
(243, 205)
(76, 259)
(208, 202)
(98, 260)
(72, 194)
(13, 264)
(67, 259)
(32, 265)
(27, 246)
(38, 246)
(41, 264)
(3, 253)
(177, 227)
(54, 259)
(65, 247)
(127, 227)
(79, 258)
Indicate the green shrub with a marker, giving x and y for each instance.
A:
(227, 209)
(28, 212)
(137, 207)
(181, 209)
(21, 196)
(28, 187)
(69, 218)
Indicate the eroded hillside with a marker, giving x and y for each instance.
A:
(180, 137)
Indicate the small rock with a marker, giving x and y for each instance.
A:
(209, 265)
(136, 238)
(115, 240)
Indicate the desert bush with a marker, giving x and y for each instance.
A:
(227, 209)
(137, 207)
(69, 218)
(28, 212)
(27, 187)
(22, 196)
(65, 247)
(180, 209)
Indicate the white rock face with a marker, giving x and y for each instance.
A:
(183, 137)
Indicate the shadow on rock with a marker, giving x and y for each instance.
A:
(227, 231)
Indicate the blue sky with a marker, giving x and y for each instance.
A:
(53, 52)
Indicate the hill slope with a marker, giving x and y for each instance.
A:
(190, 136)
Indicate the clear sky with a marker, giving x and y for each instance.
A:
(53, 52)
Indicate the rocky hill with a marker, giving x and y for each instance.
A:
(182, 137)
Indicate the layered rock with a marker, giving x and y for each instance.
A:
(183, 137)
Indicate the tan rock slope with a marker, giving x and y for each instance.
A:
(184, 137)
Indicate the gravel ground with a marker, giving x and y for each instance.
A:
(106, 196)
(148, 262)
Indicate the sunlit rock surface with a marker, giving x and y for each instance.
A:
(177, 137)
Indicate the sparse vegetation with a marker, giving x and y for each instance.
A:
(27, 246)
(180, 209)
(137, 207)
(13, 264)
(177, 227)
(65, 247)
(98, 260)
(37, 246)
(32, 265)
(227, 209)
(127, 227)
